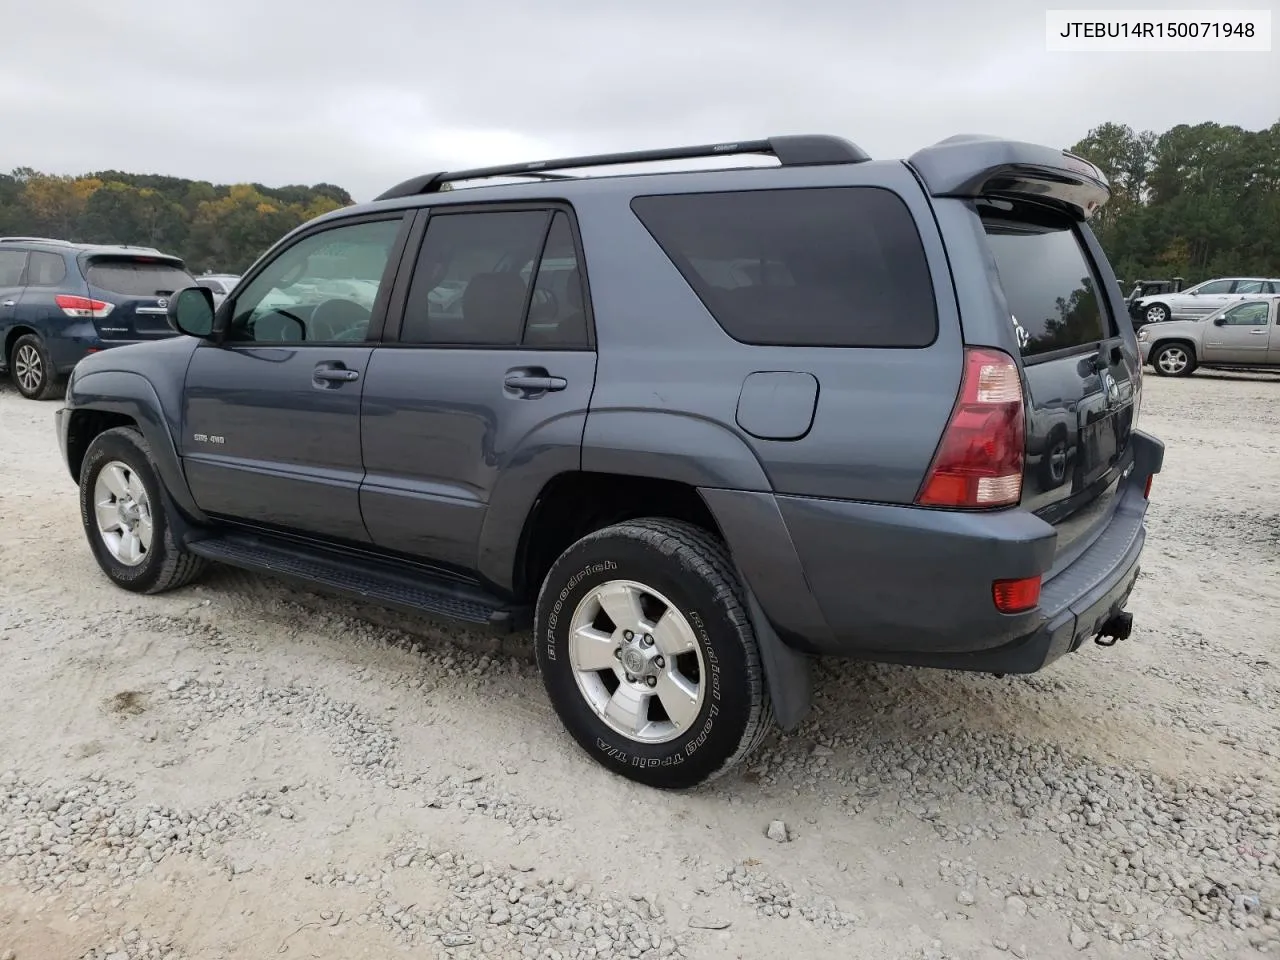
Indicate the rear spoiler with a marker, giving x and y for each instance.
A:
(979, 166)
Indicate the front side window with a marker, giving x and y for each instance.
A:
(12, 265)
(1213, 286)
(320, 290)
(1047, 282)
(1248, 315)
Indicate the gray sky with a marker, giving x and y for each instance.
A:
(365, 94)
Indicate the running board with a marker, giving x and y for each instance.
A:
(374, 581)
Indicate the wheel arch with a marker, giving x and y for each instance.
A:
(101, 400)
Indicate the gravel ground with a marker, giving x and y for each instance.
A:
(241, 770)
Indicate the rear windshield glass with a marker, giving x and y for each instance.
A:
(840, 266)
(137, 278)
(1048, 283)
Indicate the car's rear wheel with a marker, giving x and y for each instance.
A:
(31, 368)
(1155, 313)
(123, 509)
(1174, 360)
(648, 655)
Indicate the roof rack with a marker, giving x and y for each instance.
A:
(61, 243)
(791, 151)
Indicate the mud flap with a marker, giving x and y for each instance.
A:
(788, 672)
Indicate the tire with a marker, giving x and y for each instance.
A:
(1173, 360)
(1155, 313)
(661, 561)
(31, 369)
(123, 455)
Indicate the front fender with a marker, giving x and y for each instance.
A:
(132, 395)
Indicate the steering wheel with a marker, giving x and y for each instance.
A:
(339, 319)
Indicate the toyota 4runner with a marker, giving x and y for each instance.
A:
(692, 428)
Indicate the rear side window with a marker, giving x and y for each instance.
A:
(137, 278)
(1048, 283)
(838, 266)
(46, 270)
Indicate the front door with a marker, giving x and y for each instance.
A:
(13, 264)
(1240, 335)
(484, 395)
(271, 431)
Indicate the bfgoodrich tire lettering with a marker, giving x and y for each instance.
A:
(691, 569)
(165, 564)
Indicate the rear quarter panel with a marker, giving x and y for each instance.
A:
(669, 378)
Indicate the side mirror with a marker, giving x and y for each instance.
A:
(191, 312)
(1220, 322)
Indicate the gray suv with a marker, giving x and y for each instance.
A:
(693, 429)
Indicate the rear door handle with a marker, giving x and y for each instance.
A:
(10, 303)
(532, 384)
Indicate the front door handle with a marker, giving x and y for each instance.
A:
(10, 303)
(335, 374)
(534, 384)
(1258, 333)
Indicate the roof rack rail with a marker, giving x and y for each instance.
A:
(61, 243)
(791, 151)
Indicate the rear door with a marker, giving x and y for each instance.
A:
(1081, 382)
(138, 287)
(482, 394)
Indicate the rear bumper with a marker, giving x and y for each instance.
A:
(907, 585)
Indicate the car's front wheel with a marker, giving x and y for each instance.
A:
(123, 511)
(31, 368)
(1155, 313)
(648, 655)
(1173, 360)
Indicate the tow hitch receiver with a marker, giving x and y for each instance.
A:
(1117, 628)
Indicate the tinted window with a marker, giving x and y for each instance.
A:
(1048, 284)
(1249, 286)
(12, 263)
(46, 270)
(557, 315)
(320, 290)
(136, 278)
(837, 267)
(1248, 315)
(472, 277)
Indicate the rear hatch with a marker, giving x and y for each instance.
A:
(1082, 388)
(138, 287)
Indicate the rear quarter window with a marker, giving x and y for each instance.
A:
(1048, 282)
(137, 278)
(814, 267)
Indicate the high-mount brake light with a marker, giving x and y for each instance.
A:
(979, 462)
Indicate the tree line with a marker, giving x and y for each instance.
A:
(218, 228)
(1195, 201)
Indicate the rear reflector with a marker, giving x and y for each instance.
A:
(980, 459)
(83, 306)
(1016, 596)
(1146, 489)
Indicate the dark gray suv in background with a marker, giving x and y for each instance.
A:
(693, 428)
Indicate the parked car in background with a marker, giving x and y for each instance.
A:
(1199, 301)
(219, 284)
(1245, 334)
(692, 428)
(1149, 288)
(60, 301)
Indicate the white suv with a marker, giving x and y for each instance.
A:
(1200, 300)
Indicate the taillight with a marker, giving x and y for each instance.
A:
(1016, 596)
(83, 306)
(980, 459)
